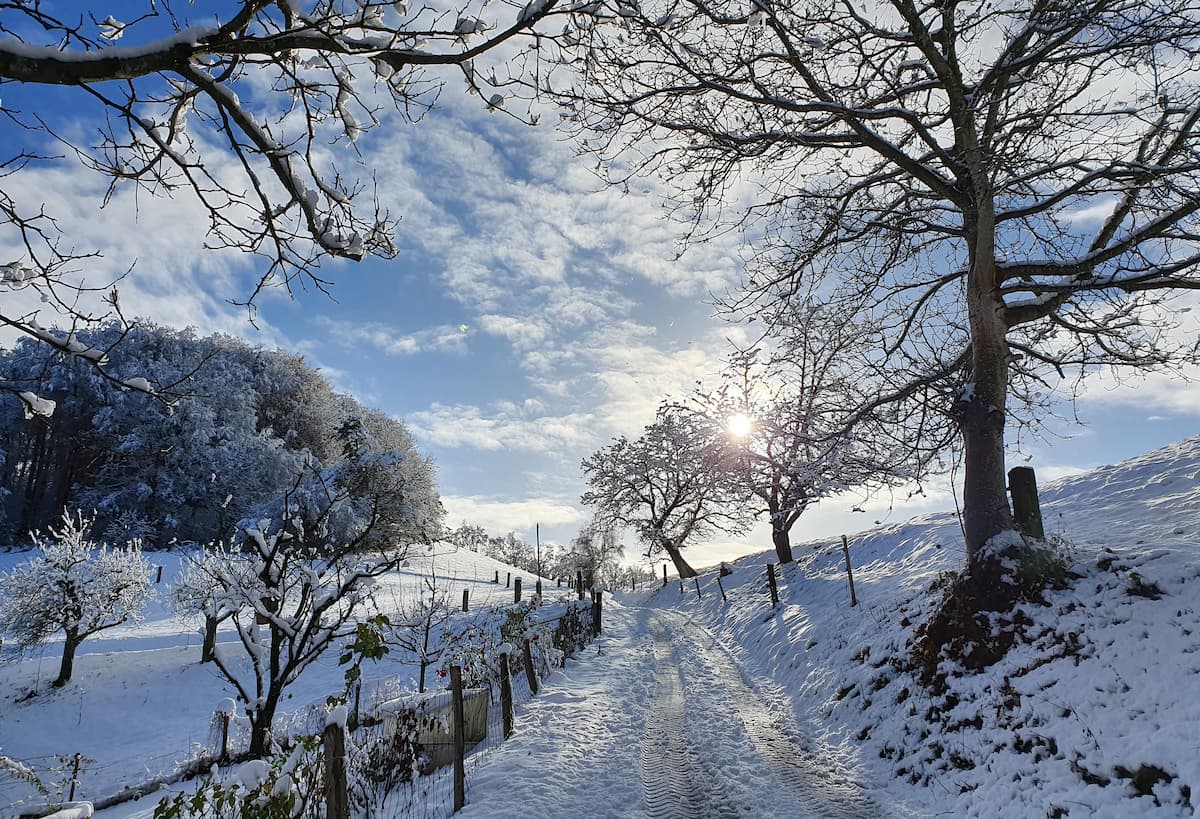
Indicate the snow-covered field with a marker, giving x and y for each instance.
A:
(140, 703)
(811, 709)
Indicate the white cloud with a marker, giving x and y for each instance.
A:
(499, 515)
(508, 427)
(443, 338)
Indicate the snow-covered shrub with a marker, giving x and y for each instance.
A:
(285, 787)
(76, 586)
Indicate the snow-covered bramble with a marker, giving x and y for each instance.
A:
(76, 586)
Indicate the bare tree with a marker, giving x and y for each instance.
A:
(421, 624)
(671, 485)
(788, 412)
(1010, 189)
(251, 107)
(597, 552)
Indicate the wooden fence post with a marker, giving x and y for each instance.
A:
(466, 596)
(506, 705)
(460, 739)
(354, 717)
(1027, 511)
(530, 674)
(664, 575)
(337, 797)
(497, 580)
(517, 590)
(537, 588)
(508, 580)
(721, 586)
(579, 584)
(224, 736)
(632, 581)
(75, 766)
(158, 577)
(597, 611)
(696, 579)
(772, 585)
(849, 571)
(560, 582)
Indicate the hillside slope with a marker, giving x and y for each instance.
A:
(1092, 713)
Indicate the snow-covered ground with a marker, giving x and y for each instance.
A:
(692, 706)
(140, 703)
(1095, 715)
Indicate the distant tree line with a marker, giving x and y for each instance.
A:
(595, 551)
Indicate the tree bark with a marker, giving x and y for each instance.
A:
(681, 566)
(783, 544)
(260, 725)
(208, 649)
(67, 666)
(981, 411)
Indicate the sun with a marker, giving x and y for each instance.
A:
(740, 425)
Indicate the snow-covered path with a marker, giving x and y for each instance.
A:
(661, 723)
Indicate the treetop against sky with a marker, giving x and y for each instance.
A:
(528, 315)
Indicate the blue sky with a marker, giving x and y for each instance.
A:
(531, 315)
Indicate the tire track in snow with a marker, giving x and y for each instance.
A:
(672, 784)
(810, 776)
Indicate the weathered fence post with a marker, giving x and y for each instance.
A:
(508, 580)
(697, 581)
(516, 590)
(466, 598)
(537, 588)
(849, 571)
(497, 580)
(337, 796)
(632, 581)
(158, 577)
(721, 586)
(579, 584)
(460, 739)
(1027, 511)
(506, 705)
(224, 717)
(560, 582)
(75, 767)
(354, 717)
(772, 585)
(664, 575)
(597, 610)
(530, 674)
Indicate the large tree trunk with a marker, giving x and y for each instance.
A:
(67, 666)
(681, 566)
(783, 544)
(981, 410)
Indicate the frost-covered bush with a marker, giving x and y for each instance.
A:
(76, 586)
(286, 787)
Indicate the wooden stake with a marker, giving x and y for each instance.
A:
(337, 797)
(721, 586)
(506, 703)
(530, 674)
(849, 571)
(517, 590)
(460, 739)
(466, 595)
(771, 583)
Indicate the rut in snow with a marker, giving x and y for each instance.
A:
(673, 782)
(811, 777)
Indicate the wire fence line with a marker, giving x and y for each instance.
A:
(396, 751)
